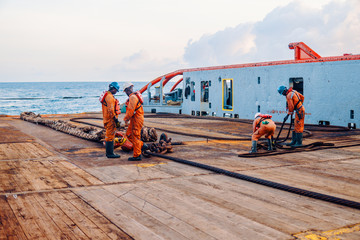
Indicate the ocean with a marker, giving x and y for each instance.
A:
(57, 97)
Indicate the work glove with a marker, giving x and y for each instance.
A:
(286, 118)
(117, 123)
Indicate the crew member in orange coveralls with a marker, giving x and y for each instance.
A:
(295, 101)
(111, 111)
(262, 125)
(134, 115)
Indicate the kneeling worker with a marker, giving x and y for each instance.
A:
(134, 115)
(111, 111)
(262, 125)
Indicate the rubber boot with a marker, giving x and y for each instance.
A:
(138, 158)
(293, 140)
(270, 148)
(110, 150)
(299, 138)
(253, 147)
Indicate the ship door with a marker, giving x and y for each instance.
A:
(297, 84)
(227, 94)
(204, 98)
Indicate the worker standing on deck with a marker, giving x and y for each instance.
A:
(294, 101)
(262, 125)
(134, 115)
(111, 111)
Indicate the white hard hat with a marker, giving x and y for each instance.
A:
(127, 85)
(256, 115)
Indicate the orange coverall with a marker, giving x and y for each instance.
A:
(108, 109)
(135, 113)
(292, 98)
(265, 129)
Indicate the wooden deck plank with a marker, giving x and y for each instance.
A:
(21, 151)
(304, 177)
(312, 208)
(102, 202)
(215, 222)
(161, 215)
(70, 176)
(61, 177)
(138, 215)
(101, 221)
(233, 223)
(82, 177)
(18, 176)
(68, 228)
(140, 171)
(10, 227)
(121, 200)
(39, 177)
(126, 173)
(244, 205)
(41, 217)
(243, 200)
(22, 183)
(80, 219)
(26, 217)
(7, 172)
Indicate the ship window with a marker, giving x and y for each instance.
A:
(258, 108)
(352, 114)
(204, 91)
(227, 92)
(297, 84)
(187, 88)
(192, 91)
(258, 80)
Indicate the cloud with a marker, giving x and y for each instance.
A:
(140, 66)
(331, 30)
(223, 46)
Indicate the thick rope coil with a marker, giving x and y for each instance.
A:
(88, 132)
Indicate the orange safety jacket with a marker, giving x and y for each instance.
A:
(259, 120)
(294, 101)
(135, 113)
(110, 106)
(134, 106)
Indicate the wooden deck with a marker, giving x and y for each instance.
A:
(56, 186)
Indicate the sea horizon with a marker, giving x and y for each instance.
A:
(57, 97)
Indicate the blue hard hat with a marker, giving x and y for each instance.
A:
(281, 89)
(114, 85)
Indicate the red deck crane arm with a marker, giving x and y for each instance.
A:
(303, 51)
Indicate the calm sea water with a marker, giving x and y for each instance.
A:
(57, 97)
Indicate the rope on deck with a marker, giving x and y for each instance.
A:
(299, 191)
(88, 132)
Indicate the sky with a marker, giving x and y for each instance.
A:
(140, 40)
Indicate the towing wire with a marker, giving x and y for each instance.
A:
(287, 136)
(283, 187)
(299, 191)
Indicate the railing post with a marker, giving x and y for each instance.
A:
(149, 93)
(161, 91)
